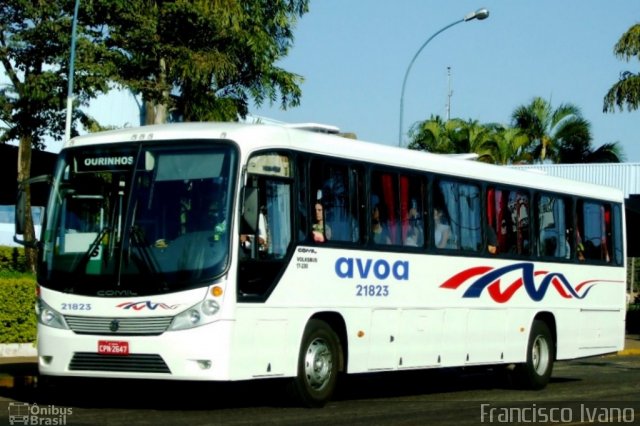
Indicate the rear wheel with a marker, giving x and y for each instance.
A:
(536, 371)
(318, 364)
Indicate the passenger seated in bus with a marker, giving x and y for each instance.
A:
(319, 230)
(412, 236)
(441, 229)
(380, 234)
(414, 233)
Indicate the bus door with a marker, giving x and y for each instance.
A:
(266, 225)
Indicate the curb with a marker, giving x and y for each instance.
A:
(629, 352)
(17, 381)
(6, 381)
(18, 350)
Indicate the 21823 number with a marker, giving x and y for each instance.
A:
(372, 290)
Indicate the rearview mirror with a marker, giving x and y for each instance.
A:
(21, 208)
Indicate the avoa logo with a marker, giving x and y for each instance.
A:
(349, 267)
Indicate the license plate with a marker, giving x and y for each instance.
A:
(111, 347)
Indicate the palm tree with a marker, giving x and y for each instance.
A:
(492, 143)
(544, 126)
(436, 135)
(507, 145)
(627, 90)
(606, 153)
(540, 134)
(473, 135)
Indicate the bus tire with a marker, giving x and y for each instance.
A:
(318, 365)
(536, 371)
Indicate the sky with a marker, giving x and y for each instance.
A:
(353, 55)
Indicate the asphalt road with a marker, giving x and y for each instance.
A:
(595, 390)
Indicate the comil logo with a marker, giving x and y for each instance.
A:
(22, 413)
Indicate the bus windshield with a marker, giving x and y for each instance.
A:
(138, 219)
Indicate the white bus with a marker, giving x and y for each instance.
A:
(224, 252)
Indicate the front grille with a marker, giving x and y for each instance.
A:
(151, 326)
(135, 363)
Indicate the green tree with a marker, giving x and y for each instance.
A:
(200, 59)
(436, 135)
(580, 153)
(545, 127)
(457, 136)
(475, 138)
(507, 145)
(34, 52)
(627, 90)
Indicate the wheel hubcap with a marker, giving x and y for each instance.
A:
(318, 364)
(540, 355)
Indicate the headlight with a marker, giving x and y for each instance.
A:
(210, 307)
(49, 316)
(197, 315)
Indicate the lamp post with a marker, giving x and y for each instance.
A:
(72, 60)
(479, 14)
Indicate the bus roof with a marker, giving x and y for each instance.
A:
(252, 137)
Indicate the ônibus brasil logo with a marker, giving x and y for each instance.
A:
(486, 277)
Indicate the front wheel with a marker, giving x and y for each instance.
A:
(536, 371)
(318, 364)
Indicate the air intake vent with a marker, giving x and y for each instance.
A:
(136, 363)
(151, 326)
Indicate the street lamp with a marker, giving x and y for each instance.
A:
(72, 60)
(479, 14)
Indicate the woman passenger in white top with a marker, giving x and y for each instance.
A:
(442, 230)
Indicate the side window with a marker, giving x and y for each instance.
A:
(273, 233)
(616, 230)
(456, 216)
(277, 215)
(302, 200)
(397, 209)
(412, 210)
(594, 231)
(270, 173)
(334, 191)
(553, 237)
(508, 214)
(384, 220)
